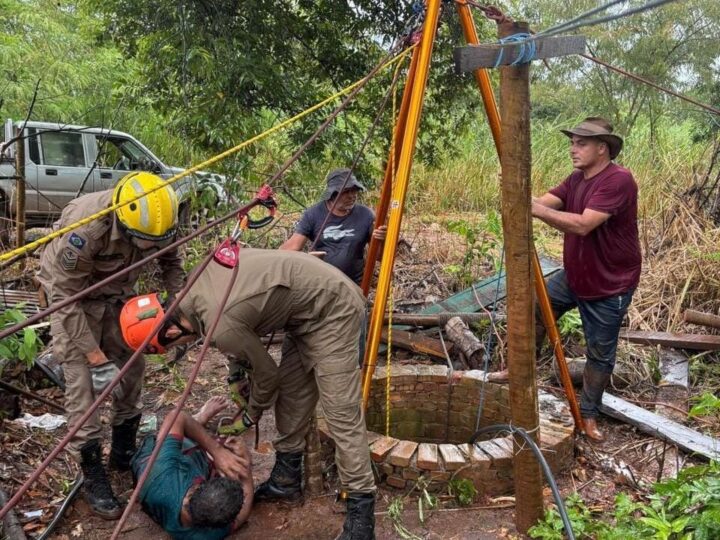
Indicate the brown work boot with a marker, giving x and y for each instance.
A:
(591, 430)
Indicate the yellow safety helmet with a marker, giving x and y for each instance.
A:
(152, 217)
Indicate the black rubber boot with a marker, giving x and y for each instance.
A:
(97, 490)
(285, 482)
(360, 518)
(123, 443)
(594, 383)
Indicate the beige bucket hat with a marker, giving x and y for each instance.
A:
(599, 128)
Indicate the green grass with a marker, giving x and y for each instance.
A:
(470, 182)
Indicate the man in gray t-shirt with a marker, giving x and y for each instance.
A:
(346, 232)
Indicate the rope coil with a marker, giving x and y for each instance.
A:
(527, 49)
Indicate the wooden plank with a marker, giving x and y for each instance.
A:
(673, 386)
(672, 339)
(10, 298)
(436, 319)
(485, 290)
(417, 343)
(472, 57)
(660, 427)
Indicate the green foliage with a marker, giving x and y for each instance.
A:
(570, 324)
(705, 405)
(23, 347)
(463, 490)
(395, 511)
(686, 507)
(482, 240)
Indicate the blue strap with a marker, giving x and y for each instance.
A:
(527, 49)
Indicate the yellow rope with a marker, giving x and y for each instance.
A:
(388, 374)
(45, 239)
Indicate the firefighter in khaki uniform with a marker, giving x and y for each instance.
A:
(86, 334)
(322, 309)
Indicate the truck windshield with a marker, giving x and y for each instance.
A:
(119, 153)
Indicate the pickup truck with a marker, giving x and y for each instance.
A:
(64, 161)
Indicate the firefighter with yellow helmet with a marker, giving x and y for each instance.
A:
(86, 335)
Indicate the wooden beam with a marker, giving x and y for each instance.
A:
(517, 234)
(417, 343)
(673, 387)
(438, 319)
(661, 427)
(20, 192)
(472, 57)
(675, 340)
(699, 317)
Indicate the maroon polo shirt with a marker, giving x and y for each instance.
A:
(607, 261)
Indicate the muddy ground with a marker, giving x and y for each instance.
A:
(627, 461)
(593, 476)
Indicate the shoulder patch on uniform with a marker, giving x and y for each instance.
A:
(69, 259)
(76, 240)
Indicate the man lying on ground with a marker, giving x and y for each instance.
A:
(191, 495)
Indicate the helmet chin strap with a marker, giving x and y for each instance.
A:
(173, 321)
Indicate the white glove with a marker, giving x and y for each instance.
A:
(102, 375)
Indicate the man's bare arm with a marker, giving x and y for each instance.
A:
(550, 200)
(568, 222)
(226, 462)
(295, 243)
(237, 445)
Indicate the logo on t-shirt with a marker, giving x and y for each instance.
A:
(336, 232)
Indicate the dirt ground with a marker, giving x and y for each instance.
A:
(594, 476)
(281, 520)
(628, 461)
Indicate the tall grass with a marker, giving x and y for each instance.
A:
(662, 165)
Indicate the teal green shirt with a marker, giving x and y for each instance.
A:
(179, 465)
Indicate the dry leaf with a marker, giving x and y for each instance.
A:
(78, 531)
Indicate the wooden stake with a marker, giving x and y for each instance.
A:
(517, 228)
(20, 191)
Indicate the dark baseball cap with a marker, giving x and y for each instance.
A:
(335, 180)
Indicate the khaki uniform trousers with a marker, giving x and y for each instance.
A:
(79, 394)
(336, 384)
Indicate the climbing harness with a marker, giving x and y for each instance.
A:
(228, 252)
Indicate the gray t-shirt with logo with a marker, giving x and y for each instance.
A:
(343, 238)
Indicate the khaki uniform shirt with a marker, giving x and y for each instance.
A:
(274, 290)
(80, 258)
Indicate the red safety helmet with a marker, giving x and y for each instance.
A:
(139, 317)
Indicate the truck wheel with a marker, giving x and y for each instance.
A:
(184, 224)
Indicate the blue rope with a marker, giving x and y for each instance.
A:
(527, 49)
(490, 340)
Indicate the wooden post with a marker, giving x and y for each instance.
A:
(483, 80)
(20, 190)
(517, 230)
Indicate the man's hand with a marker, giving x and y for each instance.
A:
(230, 464)
(380, 233)
(318, 254)
(241, 423)
(102, 375)
(96, 357)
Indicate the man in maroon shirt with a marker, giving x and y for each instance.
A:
(596, 208)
